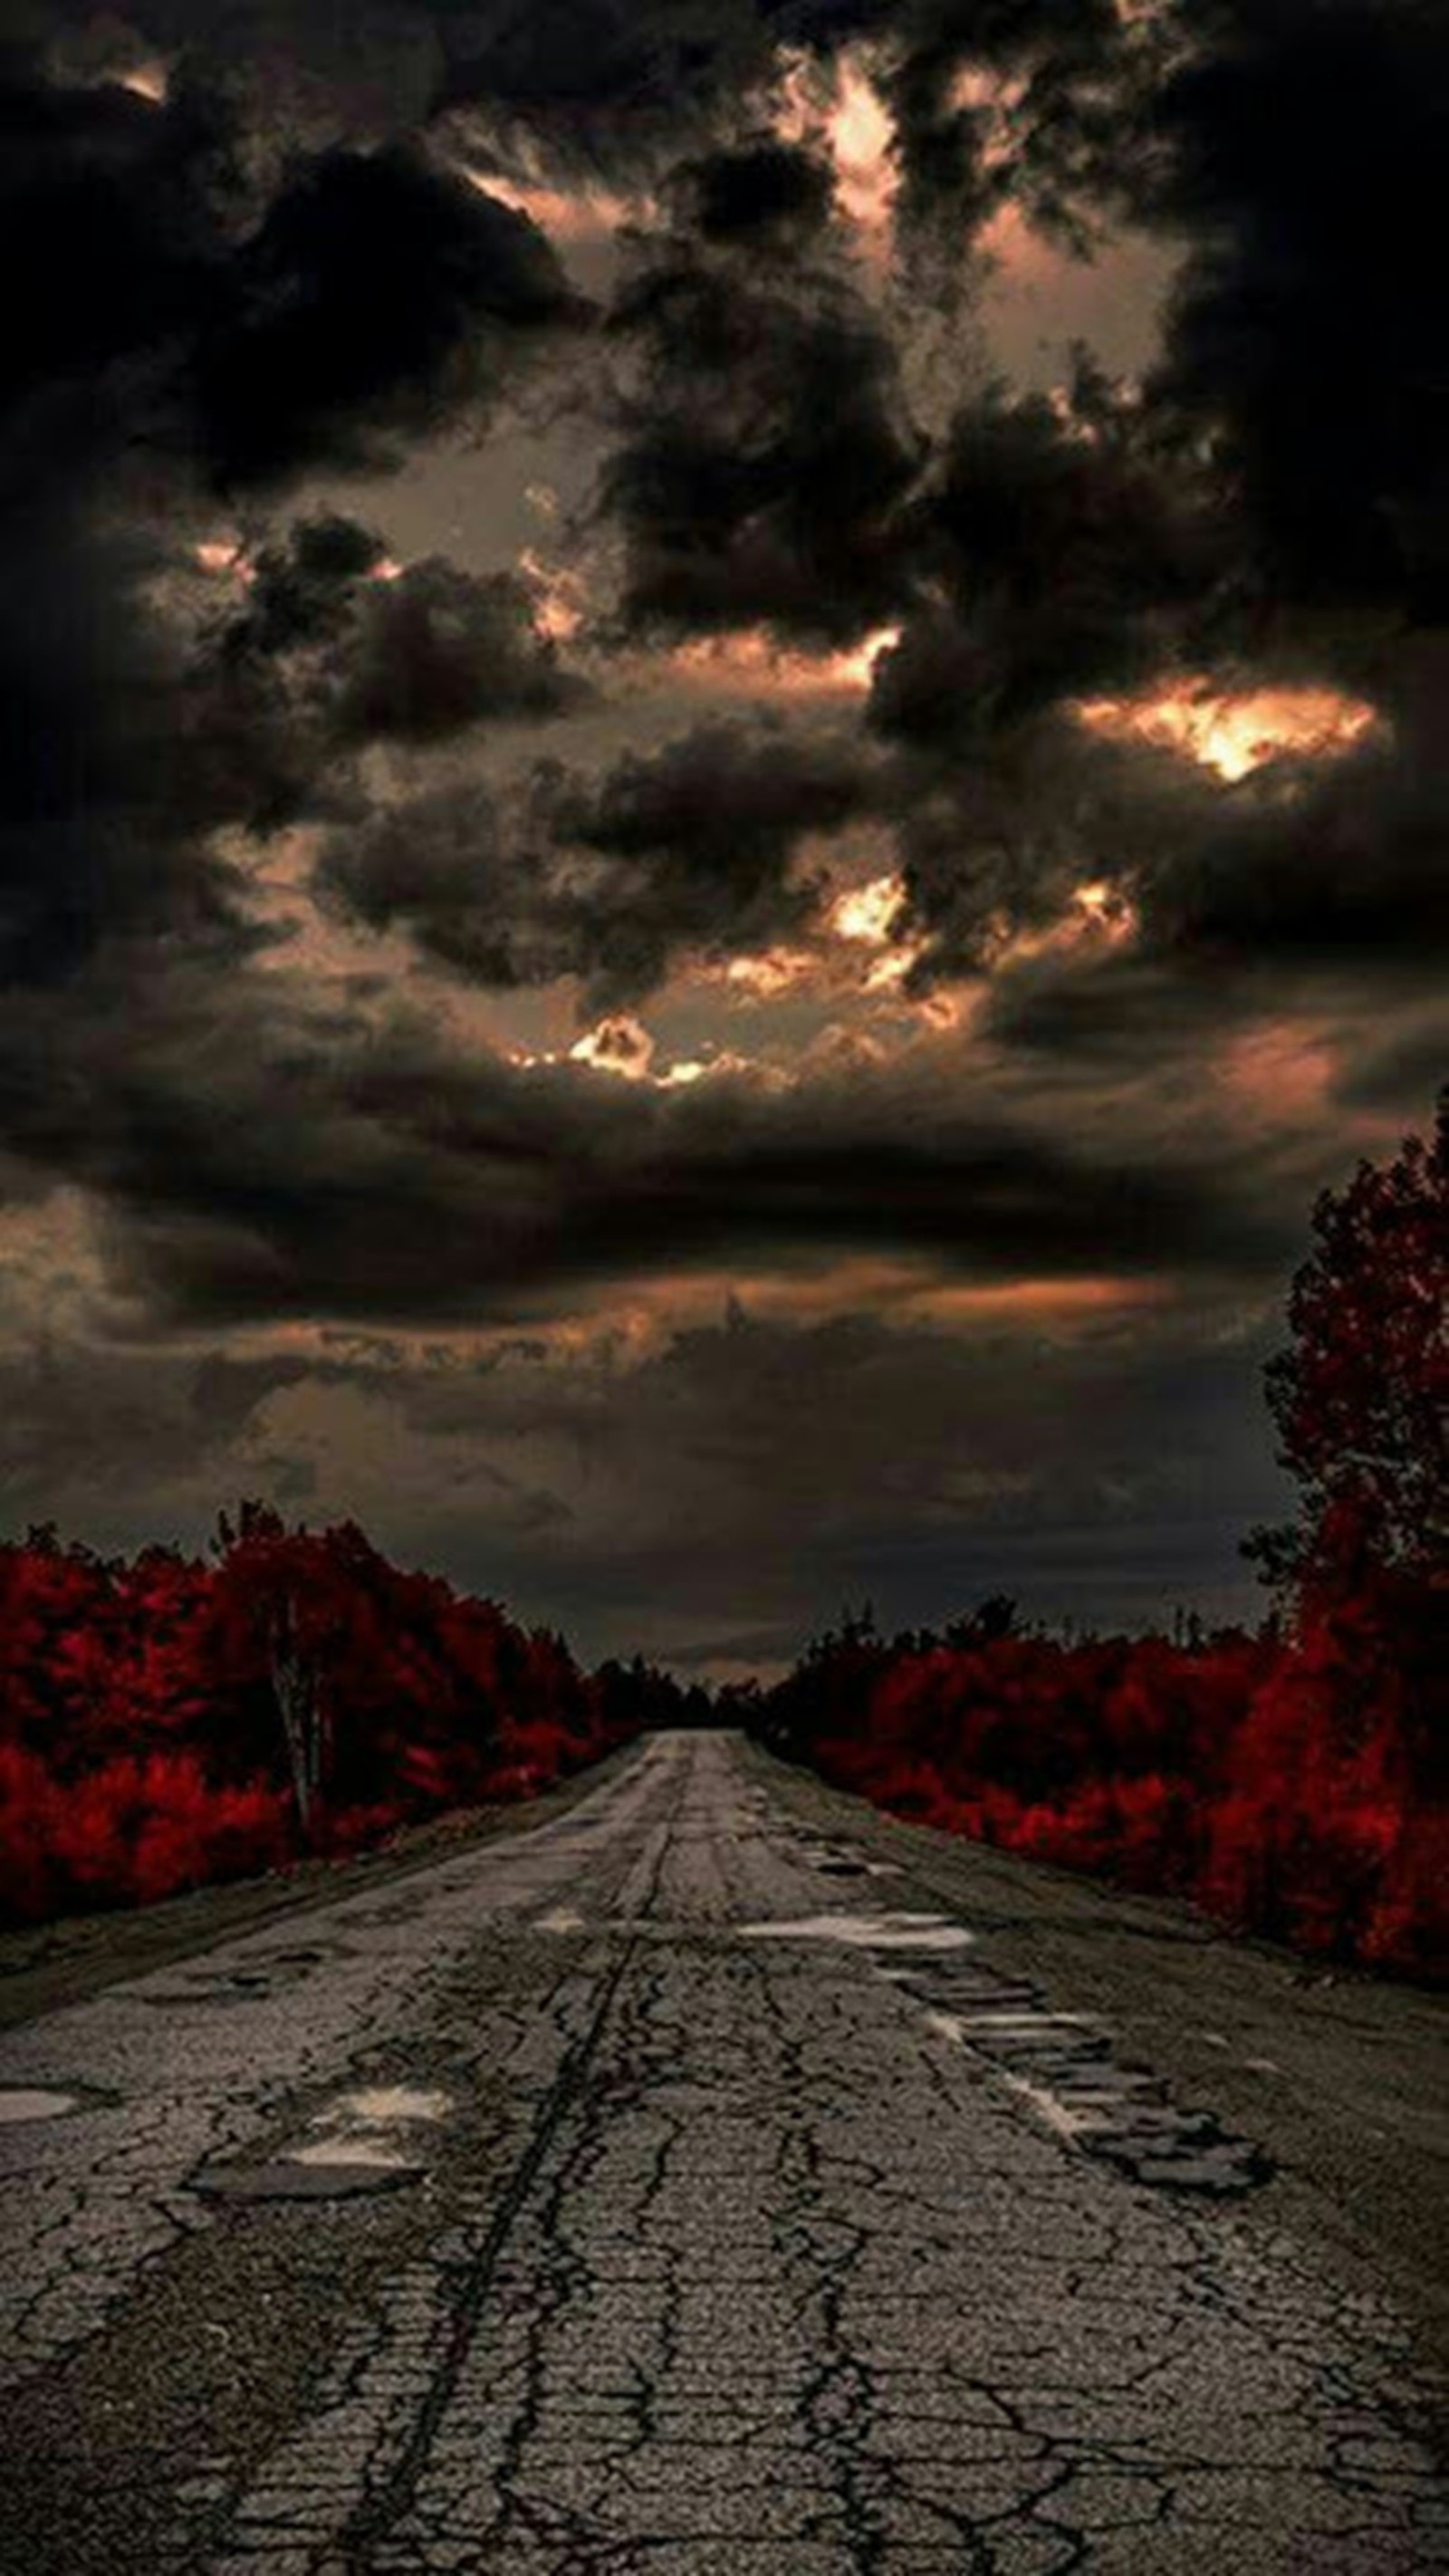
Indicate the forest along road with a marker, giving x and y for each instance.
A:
(710, 2178)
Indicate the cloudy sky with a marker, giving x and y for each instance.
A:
(725, 776)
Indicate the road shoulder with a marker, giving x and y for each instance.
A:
(1342, 2079)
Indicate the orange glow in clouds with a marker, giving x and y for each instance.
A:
(623, 1047)
(569, 214)
(868, 912)
(1234, 731)
(770, 971)
(851, 121)
(558, 596)
(750, 659)
(149, 80)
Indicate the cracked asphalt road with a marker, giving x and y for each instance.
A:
(750, 2207)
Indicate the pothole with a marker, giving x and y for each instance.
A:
(1063, 2067)
(291, 2178)
(354, 2148)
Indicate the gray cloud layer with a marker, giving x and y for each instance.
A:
(277, 275)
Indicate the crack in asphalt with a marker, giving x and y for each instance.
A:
(735, 2257)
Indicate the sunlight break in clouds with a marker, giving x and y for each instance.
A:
(748, 657)
(568, 214)
(558, 596)
(149, 80)
(1098, 916)
(848, 116)
(868, 912)
(623, 1047)
(765, 973)
(1234, 731)
(866, 916)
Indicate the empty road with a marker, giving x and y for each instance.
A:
(708, 2180)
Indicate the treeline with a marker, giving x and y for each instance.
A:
(168, 1720)
(1294, 1783)
(1290, 1784)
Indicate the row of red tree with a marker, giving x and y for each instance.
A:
(167, 1720)
(1294, 1782)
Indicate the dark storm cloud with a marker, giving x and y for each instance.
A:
(79, 1417)
(278, 276)
(1089, 548)
(1301, 151)
(380, 296)
(1349, 872)
(766, 453)
(1403, 1069)
(929, 1468)
(1284, 464)
(407, 1178)
(164, 335)
(689, 852)
(1039, 123)
(115, 753)
(168, 300)
(1064, 545)
(104, 195)
(359, 650)
(662, 1502)
(605, 76)
(438, 650)
(762, 191)
(1306, 868)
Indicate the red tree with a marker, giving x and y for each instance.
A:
(1361, 1395)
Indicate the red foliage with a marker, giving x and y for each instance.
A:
(1294, 1787)
(1293, 1784)
(143, 1738)
(1361, 1395)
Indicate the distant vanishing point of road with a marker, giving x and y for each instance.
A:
(704, 2176)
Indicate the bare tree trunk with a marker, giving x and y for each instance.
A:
(299, 1700)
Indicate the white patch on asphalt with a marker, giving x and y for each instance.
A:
(867, 1931)
(1067, 2123)
(1009, 2022)
(384, 2103)
(373, 2152)
(34, 2102)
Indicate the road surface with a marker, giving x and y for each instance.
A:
(677, 2186)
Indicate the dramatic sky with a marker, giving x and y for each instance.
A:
(725, 776)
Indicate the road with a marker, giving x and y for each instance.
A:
(681, 2185)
